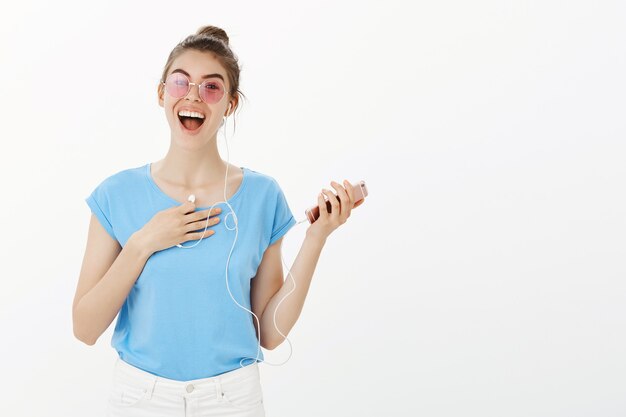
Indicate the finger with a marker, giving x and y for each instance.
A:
(187, 207)
(341, 193)
(321, 202)
(201, 215)
(333, 202)
(344, 200)
(198, 235)
(349, 190)
(201, 224)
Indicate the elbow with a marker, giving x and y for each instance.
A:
(80, 333)
(90, 341)
(271, 344)
(266, 345)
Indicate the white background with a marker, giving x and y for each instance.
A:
(484, 275)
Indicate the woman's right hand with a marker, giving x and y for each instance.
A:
(175, 225)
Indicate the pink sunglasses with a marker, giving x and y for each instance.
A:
(178, 85)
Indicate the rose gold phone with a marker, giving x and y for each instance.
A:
(360, 192)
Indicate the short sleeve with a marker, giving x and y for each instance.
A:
(283, 217)
(98, 201)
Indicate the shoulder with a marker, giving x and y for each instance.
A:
(123, 178)
(262, 181)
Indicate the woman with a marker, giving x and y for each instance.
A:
(184, 331)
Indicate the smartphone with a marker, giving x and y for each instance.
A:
(360, 192)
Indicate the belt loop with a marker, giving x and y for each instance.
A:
(150, 388)
(218, 391)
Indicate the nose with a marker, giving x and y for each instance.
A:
(194, 90)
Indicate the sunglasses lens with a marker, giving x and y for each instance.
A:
(177, 85)
(211, 91)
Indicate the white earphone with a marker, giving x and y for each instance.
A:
(192, 198)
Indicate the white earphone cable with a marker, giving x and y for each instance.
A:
(232, 212)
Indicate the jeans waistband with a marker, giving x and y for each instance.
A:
(150, 382)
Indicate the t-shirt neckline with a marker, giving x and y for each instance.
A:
(162, 193)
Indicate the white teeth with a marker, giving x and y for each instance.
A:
(191, 114)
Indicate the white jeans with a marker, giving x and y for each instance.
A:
(137, 393)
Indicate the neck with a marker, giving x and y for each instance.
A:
(192, 169)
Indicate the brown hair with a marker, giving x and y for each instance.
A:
(215, 40)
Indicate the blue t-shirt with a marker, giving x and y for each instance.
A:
(179, 321)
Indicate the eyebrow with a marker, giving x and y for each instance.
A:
(203, 77)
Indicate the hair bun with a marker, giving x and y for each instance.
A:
(213, 31)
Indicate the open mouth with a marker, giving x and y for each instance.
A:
(191, 123)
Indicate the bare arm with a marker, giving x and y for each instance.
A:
(107, 275)
(302, 272)
(109, 272)
(269, 289)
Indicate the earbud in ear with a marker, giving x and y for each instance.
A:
(228, 111)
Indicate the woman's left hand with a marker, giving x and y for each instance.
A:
(327, 222)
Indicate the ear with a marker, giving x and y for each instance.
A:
(160, 94)
(233, 105)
